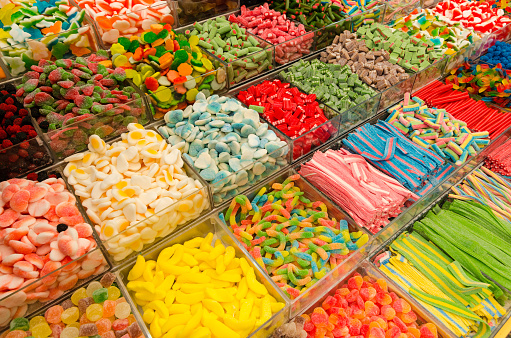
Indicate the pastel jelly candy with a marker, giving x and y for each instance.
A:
(147, 191)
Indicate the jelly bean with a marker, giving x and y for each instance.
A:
(227, 143)
(339, 316)
(292, 245)
(142, 186)
(204, 300)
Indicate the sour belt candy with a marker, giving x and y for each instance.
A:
(333, 84)
(246, 56)
(42, 232)
(436, 129)
(97, 310)
(436, 265)
(368, 195)
(291, 237)
(168, 66)
(42, 30)
(200, 289)
(274, 27)
(126, 17)
(499, 161)
(227, 143)
(361, 307)
(137, 184)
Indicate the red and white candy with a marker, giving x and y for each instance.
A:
(275, 28)
(41, 231)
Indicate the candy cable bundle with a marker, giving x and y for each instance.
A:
(390, 151)
(435, 129)
(368, 195)
(476, 114)
(490, 189)
(500, 160)
(291, 237)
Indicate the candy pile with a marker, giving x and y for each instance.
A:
(43, 175)
(436, 129)
(498, 53)
(373, 67)
(369, 196)
(226, 143)
(481, 17)
(168, 66)
(291, 237)
(200, 289)
(477, 116)
(314, 15)
(97, 310)
(137, 183)
(42, 30)
(390, 151)
(362, 307)
(411, 53)
(490, 189)
(333, 84)
(448, 39)
(42, 231)
(273, 26)
(245, 54)
(457, 282)
(500, 160)
(125, 18)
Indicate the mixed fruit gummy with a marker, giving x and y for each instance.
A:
(97, 311)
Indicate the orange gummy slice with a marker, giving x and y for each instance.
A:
(185, 69)
(55, 28)
(172, 75)
(79, 51)
(104, 22)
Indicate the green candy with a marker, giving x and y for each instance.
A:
(19, 324)
(126, 43)
(150, 37)
(59, 50)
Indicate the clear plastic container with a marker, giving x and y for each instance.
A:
(364, 268)
(190, 11)
(430, 73)
(397, 9)
(17, 66)
(395, 93)
(311, 193)
(200, 229)
(74, 136)
(337, 121)
(241, 180)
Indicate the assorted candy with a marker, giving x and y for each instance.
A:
(200, 289)
(291, 237)
(125, 18)
(51, 30)
(20, 151)
(448, 39)
(274, 27)
(436, 129)
(98, 310)
(226, 143)
(168, 66)
(361, 307)
(379, 197)
(479, 16)
(333, 84)
(45, 243)
(477, 116)
(246, 56)
(137, 184)
(291, 111)
(460, 284)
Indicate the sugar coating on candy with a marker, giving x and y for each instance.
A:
(437, 130)
(273, 26)
(127, 18)
(196, 309)
(433, 241)
(169, 66)
(333, 84)
(499, 160)
(225, 142)
(128, 181)
(359, 307)
(73, 322)
(246, 55)
(34, 244)
(311, 245)
(354, 188)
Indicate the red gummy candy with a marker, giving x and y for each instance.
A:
(151, 83)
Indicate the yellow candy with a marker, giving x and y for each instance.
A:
(138, 269)
(148, 316)
(179, 308)
(117, 48)
(201, 332)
